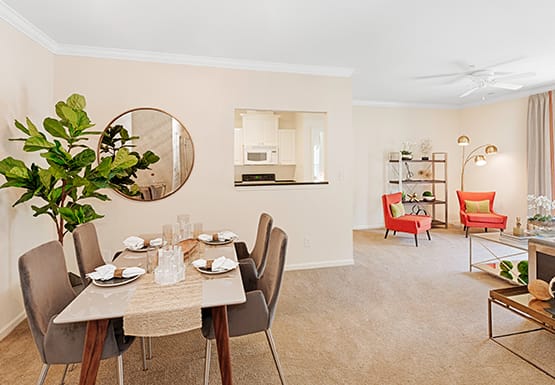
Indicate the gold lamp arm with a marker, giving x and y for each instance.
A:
(467, 159)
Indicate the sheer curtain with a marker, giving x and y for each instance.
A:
(540, 145)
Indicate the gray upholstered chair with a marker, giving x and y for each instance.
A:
(46, 292)
(87, 250)
(257, 313)
(257, 257)
(89, 257)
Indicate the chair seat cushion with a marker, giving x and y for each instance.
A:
(485, 218)
(421, 219)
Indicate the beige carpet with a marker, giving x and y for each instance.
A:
(400, 315)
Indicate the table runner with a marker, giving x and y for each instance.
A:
(156, 310)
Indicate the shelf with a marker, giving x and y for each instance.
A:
(436, 202)
(416, 161)
(418, 181)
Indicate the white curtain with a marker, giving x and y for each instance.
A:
(539, 146)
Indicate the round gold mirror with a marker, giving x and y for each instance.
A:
(157, 143)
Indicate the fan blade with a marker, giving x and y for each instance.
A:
(468, 92)
(514, 60)
(506, 86)
(515, 76)
(438, 76)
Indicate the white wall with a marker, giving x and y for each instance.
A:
(380, 130)
(25, 90)
(205, 99)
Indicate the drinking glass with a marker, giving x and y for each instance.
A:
(167, 236)
(184, 226)
(151, 259)
(197, 229)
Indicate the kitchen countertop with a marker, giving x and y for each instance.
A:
(277, 183)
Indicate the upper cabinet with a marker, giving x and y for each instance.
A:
(260, 129)
(287, 149)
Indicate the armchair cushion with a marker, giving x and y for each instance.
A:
(477, 206)
(397, 209)
(485, 218)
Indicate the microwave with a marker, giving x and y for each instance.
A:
(260, 155)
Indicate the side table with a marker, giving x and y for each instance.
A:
(520, 302)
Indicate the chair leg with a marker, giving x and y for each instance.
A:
(466, 236)
(207, 361)
(394, 232)
(428, 234)
(64, 375)
(416, 239)
(120, 369)
(143, 353)
(149, 355)
(486, 229)
(386, 232)
(43, 373)
(275, 355)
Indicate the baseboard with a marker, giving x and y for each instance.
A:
(319, 265)
(11, 325)
(368, 227)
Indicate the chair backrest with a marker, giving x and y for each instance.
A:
(387, 200)
(270, 282)
(260, 250)
(87, 249)
(45, 286)
(475, 196)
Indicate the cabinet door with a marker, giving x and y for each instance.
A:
(287, 148)
(260, 130)
(238, 147)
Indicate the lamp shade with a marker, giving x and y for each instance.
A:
(480, 160)
(463, 140)
(491, 149)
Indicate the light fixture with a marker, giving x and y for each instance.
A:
(479, 159)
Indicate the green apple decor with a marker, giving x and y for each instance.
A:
(69, 177)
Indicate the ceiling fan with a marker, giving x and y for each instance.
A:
(484, 77)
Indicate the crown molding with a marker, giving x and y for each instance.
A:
(24, 26)
(204, 61)
(377, 103)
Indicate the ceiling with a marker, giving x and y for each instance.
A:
(385, 44)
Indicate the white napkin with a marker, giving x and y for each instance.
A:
(156, 242)
(134, 243)
(226, 235)
(219, 264)
(105, 272)
(205, 237)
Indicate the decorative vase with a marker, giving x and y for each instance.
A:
(406, 157)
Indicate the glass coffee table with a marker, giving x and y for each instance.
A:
(514, 249)
(520, 302)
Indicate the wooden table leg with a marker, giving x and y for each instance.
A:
(92, 351)
(221, 330)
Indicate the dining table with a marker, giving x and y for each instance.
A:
(98, 305)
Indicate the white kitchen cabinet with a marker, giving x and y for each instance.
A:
(286, 146)
(260, 129)
(238, 147)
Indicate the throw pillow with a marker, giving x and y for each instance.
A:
(397, 209)
(477, 207)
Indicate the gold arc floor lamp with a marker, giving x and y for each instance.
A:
(479, 159)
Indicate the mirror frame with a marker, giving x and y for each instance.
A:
(157, 110)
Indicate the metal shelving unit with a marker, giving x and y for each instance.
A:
(431, 175)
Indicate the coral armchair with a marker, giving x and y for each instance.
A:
(486, 220)
(413, 224)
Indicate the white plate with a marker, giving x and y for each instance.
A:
(203, 270)
(217, 243)
(115, 281)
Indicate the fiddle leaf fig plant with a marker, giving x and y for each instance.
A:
(68, 179)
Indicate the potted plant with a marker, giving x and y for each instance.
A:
(69, 178)
(406, 152)
(428, 196)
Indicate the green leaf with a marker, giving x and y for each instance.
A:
(70, 115)
(21, 127)
(103, 169)
(123, 160)
(8, 163)
(69, 214)
(55, 128)
(151, 157)
(83, 159)
(45, 177)
(77, 102)
(37, 143)
(33, 129)
(25, 197)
